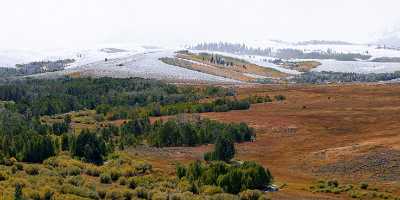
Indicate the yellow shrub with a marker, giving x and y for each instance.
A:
(210, 190)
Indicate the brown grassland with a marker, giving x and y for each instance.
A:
(348, 133)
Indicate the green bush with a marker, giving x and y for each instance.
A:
(355, 194)
(9, 161)
(122, 181)
(222, 108)
(93, 171)
(141, 192)
(364, 186)
(115, 174)
(144, 168)
(74, 171)
(102, 194)
(180, 171)
(250, 195)
(224, 196)
(224, 149)
(34, 196)
(127, 194)
(232, 181)
(129, 172)
(231, 178)
(105, 178)
(209, 156)
(114, 195)
(132, 183)
(3, 176)
(182, 196)
(89, 147)
(280, 98)
(19, 166)
(333, 183)
(32, 170)
(210, 190)
(184, 185)
(76, 181)
(14, 169)
(159, 196)
(78, 191)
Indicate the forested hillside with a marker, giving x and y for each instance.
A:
(42, 135)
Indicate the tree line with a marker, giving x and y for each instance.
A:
(284, 53)
(184, 130)
(339, 77)
(47, 97)
(156, 109)
(240, 49)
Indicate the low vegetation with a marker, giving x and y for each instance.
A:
(361, 191)
(339, 77)
(221, 176)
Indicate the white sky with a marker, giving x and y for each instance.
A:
(61, 23)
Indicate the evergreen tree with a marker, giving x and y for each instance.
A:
(89, 147)
(224, 148)
(18, 192)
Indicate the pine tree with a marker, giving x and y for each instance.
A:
(18, 192)
(224, 148)
(90, 147)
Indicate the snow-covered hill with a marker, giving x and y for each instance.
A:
(11, 57)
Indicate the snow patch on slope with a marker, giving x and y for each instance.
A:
(11, 57)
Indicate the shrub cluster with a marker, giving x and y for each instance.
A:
(231, 178)
(191, 133)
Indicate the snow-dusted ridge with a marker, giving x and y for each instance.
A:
(375, 51)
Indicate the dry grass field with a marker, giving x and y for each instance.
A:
(348, 133)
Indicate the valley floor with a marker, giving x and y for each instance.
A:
(347, 133)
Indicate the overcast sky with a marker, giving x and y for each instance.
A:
(59, 23)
